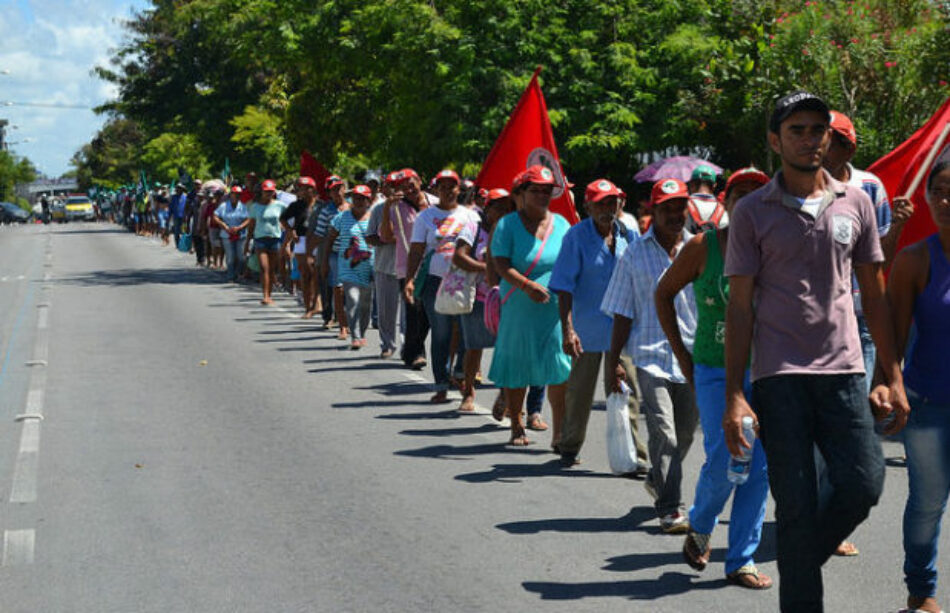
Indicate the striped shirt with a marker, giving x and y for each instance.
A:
(630, 294)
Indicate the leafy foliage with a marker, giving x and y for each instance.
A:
(430, 83)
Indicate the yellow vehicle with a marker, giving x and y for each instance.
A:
(80, 207)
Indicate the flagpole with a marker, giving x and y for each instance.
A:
(925, 167)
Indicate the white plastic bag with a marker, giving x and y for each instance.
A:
(621, 453)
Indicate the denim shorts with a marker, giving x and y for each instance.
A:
(268, 243)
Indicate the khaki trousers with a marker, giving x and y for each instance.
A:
(585, 370)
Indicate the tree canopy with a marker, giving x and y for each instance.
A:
(430, 83)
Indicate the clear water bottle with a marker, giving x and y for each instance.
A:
(740, 467)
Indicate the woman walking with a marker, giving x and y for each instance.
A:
(265, 228)
(528, 349)
(472, 254)
(919, 290)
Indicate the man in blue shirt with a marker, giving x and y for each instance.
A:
(581, 274)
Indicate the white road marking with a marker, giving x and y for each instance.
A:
(34, 402)
(18, 547)
(42, 319)
(37, 363)
(30, 436)
(24, 473)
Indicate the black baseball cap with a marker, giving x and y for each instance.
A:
(798, 100)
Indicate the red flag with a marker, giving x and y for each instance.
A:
(898, 169)
(310, 167)
(527, 140)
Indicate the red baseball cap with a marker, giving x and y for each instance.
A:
(447, 174)
(483, 193)
(404, 175)
(750, 173)
(600, 189)
(841, 124)
(236, 189)
(496, 194)
(362, 190)
(332, 181)
(393, 178)
(306, 181)
(268, 186)
(667, 189)
(538, 174)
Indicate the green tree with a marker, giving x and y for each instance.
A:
(14, 170)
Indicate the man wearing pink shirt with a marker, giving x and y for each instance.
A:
(793, 246)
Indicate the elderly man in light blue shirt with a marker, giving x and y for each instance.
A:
(668, 401)
(589, 253)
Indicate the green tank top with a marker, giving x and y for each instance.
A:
(712, 293)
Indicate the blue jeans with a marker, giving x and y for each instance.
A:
(535, 401)
(714, 488)
(234, 256)
(868, 350)
(441, 333)
(796, 413)
(927, 445)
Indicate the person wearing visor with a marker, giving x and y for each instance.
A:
(581, 274)
(667, 398)
(265, 229)
(232, 219)
(699, 264)
(294, 222)
(529, 347)
(432, 246)
(473, 255)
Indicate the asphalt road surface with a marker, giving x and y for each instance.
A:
(168, 444)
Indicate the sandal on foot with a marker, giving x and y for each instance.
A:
(847, 549)
(536, 423)
(696, 550)
(520, 440)
(440, 397)
(749, 577)
(467, 407)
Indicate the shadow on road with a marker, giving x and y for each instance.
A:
(667, 584)
(633, 520)
(424, 416)
(352, 367)
(142, 276)
(482, 429)
(462, 452)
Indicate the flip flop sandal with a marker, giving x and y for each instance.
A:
(749, 577)
(696, 550)
(537, 424)
(846, 549)
(520, 441)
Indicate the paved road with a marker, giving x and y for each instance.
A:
(199, 452)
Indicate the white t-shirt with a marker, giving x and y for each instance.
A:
(438, 229)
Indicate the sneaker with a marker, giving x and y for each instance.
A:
(674, 523)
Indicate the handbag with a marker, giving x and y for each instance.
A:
(493, 301)
(184, 243)
(456, 293)
(419, 282)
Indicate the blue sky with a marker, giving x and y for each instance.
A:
(49, 48)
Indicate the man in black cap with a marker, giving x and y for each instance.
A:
(793, 244)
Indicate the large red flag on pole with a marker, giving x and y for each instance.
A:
(310, 167)
(904, 170)
(527, 140)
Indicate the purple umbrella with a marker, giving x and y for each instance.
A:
(677, 167)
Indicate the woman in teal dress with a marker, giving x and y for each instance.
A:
(528, 350)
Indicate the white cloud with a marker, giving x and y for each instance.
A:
(50, 48)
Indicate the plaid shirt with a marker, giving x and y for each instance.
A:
(630, 294)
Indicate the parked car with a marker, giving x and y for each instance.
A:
(11, 213)
(80, 207)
